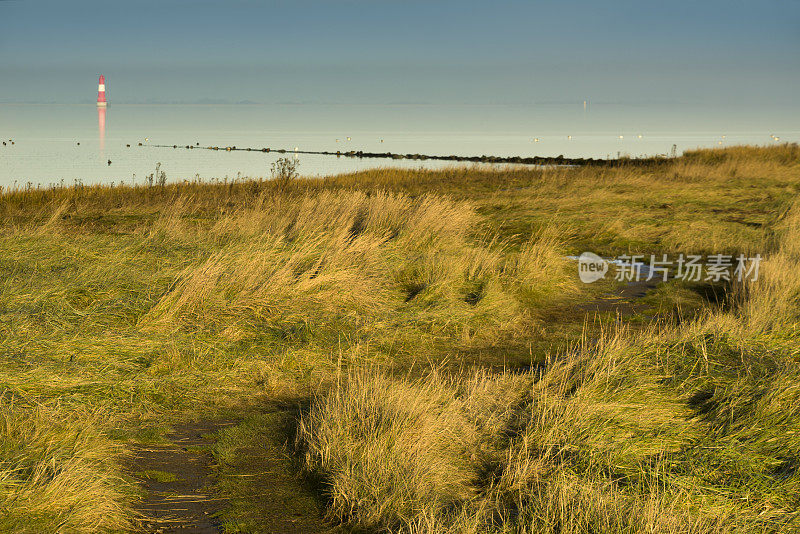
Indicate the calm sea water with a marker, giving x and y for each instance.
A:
(76, 142)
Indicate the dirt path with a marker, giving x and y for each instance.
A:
(178, 480)
(261, 491)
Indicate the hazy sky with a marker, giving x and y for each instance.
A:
(353, 51)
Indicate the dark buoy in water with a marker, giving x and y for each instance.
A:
(128, 146)
(79, 144)
(109, 163)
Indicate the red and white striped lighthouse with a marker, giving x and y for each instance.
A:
(101, 92)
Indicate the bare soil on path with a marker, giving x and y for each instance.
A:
(178, 481)
(181, 483)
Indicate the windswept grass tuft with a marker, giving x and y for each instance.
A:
(58, 473)
(318, 265)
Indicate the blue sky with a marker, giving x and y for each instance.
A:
(386, 52)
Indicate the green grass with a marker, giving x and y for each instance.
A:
(264, 499)
(157, 475)
(432, 332)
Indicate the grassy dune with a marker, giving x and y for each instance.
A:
(434, 335)
(693, 428)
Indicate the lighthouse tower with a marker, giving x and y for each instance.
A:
(101, 92)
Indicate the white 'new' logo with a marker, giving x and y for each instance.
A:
(591, 267)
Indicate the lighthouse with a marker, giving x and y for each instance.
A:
(101, 92)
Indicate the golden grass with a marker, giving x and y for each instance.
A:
(689, 428)
(345, 257)
(58, 474)
(391, 298)
(772, 304)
